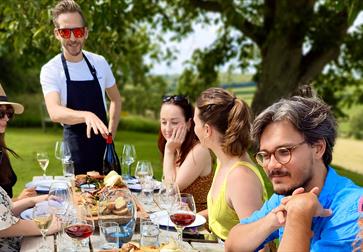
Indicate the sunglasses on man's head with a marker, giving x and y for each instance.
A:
(65, 33)
(9, 112)
(175, 98)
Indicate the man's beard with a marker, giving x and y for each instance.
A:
(70, 50)
(289, 191)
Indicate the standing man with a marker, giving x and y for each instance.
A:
(74, 83)
(295, 138)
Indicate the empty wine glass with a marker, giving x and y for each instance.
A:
(62, 151)
(42, 216)
(128, 158)
(60, 197)
(80, 225)
(183, 213)
(43, 160)
(144, 173)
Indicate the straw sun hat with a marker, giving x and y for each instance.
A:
(18, 108)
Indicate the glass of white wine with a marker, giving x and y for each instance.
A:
(43, 160)
(42, 216)
(128, 158)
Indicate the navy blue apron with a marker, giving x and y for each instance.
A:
(87, 153)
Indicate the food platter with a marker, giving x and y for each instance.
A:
(112, 210)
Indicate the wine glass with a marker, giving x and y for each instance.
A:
(80, 225)
(62, 151)
(144, 173)
(128, 158)
(42, 216)
(59, 197)
(43, 160)
(166, 197)
(183, 213)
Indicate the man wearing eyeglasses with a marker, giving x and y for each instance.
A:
(295, 138)
(74, 84)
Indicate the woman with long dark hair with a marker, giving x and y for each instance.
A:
(11, 227)
(185, 161)
(7, 175)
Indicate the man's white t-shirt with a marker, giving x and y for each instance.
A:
(53, 78)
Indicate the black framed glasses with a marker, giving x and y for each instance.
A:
(281, 154)
(175, 98)
(8, 111)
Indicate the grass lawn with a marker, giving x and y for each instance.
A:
(27, 141)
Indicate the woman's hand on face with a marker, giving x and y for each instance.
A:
(177, 138)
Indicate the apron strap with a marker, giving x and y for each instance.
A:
(65, 67)
(91, 68)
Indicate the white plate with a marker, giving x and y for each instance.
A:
(162, 218)
(28, 213)
(42, 186)
(137, 187)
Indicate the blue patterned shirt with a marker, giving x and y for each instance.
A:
(333, 233)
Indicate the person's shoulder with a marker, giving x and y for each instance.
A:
(199, 146)
(53, 65)
(55, 61)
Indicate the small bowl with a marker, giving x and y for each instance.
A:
(88, 187)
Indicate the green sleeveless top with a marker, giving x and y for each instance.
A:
(220, 216)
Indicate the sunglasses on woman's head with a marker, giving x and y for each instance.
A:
(65, 33)
(175, 98)
(9, 112)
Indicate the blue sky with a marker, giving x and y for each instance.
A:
(202, 37)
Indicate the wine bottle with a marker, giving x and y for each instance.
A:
(110, 159)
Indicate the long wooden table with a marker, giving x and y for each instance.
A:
(62, 243)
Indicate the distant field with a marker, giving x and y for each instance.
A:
(349, 154)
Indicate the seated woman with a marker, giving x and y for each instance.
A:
(7, 175)
(12, 228)
(222, 123)
(185, 160)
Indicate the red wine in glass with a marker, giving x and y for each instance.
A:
(79, 231)
(182, 218)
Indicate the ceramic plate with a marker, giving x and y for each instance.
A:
(137, 187)
(28, 213)
(162, 218)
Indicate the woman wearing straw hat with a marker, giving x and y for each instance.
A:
(7, 175)
(11, 227)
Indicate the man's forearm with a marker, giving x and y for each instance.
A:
(114, 112)
(297, 233)
(66, 115)
(247, 237)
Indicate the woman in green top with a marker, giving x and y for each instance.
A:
(222, 124)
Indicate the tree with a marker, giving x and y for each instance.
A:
(289, 43)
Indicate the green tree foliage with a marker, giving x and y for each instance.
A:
(288, 42)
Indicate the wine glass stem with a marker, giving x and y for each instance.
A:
(129, 170)
(180, 234)
(44, 235)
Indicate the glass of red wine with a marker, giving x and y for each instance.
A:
(80, 225)
(182, 214)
